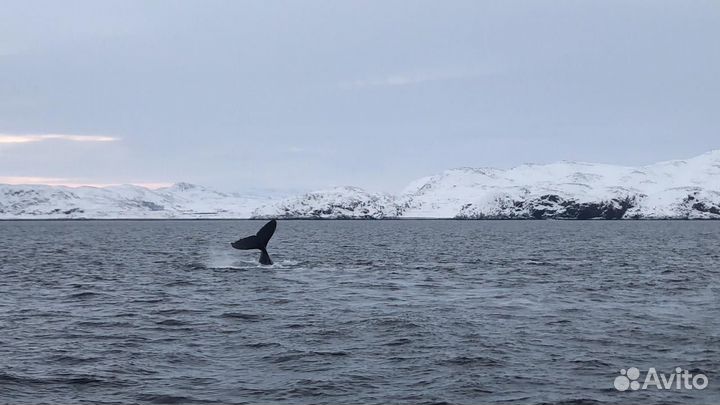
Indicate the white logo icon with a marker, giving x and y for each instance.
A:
(627, 379)
(680, 379)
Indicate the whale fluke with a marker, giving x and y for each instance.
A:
(258, 241)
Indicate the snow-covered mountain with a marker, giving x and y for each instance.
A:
(182, 200)
(674, 189)
(338, 202)
(565, 190)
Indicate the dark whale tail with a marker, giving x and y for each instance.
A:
(258, 241)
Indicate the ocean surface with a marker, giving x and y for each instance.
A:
(356, 312)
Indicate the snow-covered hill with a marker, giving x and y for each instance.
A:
(674, 189)
(565, 190)
(338, 202)
(182, 200)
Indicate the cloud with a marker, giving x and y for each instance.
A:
(30, 138)
(300, 150)
(390, 81)
(59, 181)
(30, 180)
(409, 79)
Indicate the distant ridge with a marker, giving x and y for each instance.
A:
(676, 189)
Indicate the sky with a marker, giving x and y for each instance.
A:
(300, 95)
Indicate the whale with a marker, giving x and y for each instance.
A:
(258, 241)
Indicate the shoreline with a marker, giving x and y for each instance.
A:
(361, 219)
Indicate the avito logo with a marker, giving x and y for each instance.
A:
(679, 380)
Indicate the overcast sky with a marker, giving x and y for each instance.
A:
(310, 94)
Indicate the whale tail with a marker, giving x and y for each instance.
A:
(258, 241)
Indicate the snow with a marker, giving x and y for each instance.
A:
(673, 189)
(338, 202)
(127, 201)
(660, 188)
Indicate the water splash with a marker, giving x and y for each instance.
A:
(227, 259)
